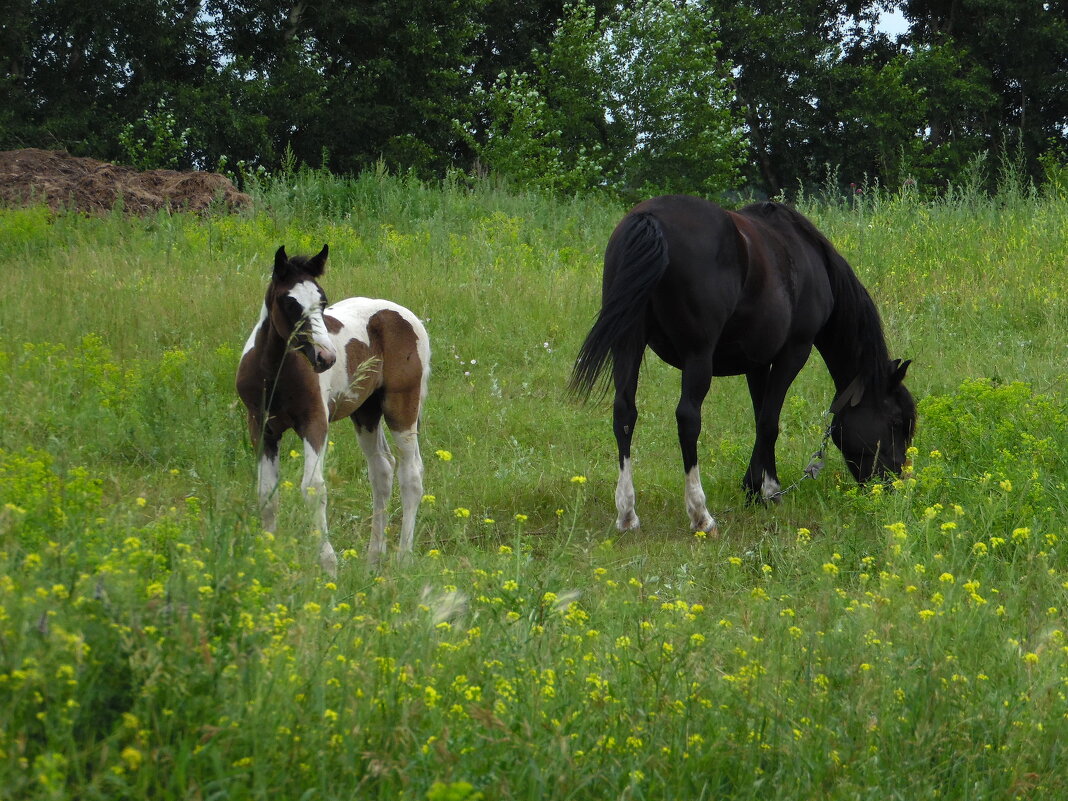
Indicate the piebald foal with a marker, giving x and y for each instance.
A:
(306, 364)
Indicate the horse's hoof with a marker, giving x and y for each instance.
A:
(328, 559)
(707, 525)
(628, 522)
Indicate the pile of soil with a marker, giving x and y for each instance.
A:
(68, 182)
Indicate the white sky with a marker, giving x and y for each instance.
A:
(893, 22)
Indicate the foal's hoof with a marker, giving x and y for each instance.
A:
(628, 522)
(328, 559)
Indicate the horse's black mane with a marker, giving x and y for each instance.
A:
(855, 320)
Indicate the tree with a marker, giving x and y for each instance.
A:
(383, 79)
(75, 74)
(638, 101)
(798, 66)
(995, 71)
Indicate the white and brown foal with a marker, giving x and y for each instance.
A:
(306, 364)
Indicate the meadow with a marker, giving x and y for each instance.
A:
(875, 642)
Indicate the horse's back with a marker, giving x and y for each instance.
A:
(741, 283)
(702, 284)
(385, 347)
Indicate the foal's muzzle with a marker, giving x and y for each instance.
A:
(322, 359)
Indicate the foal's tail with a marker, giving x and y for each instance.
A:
(634, 262)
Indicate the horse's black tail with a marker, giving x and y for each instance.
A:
(635, 261)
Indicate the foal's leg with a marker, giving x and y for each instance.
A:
(401, 408)
(624, 415)
(767, 388)
(696, 379)
(267, 483)
(380, 464)
(410, 479)
(314, 488)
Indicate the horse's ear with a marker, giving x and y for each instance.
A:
(317, 263)
(850, 396)
(281, 262)
(898, 369)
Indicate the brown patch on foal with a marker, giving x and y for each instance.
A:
(387, 365)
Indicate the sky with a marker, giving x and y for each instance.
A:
(893, 22)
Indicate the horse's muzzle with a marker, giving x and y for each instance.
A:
(322, 360)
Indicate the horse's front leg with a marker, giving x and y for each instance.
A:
(696, 379)
(767, 389)
(761, 481)
(313, 486)
(267, 475)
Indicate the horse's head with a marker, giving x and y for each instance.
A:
(295, 303)
(873, 429)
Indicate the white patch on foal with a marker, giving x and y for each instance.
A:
(250, 343)
(309, 296)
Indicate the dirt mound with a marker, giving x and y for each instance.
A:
(68, 182)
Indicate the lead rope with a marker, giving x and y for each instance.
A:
(812, 469)
(815, 464)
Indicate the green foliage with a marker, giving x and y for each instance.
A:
(636, 101)
(851, 642)
(672, 95)
(670, 100)
(154, 142)
(546, 130)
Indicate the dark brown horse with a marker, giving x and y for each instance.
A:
(717, 293)
(306, 364)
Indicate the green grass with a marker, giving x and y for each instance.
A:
(846, 644)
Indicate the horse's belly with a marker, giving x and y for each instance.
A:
(343, 407)
(738, 356)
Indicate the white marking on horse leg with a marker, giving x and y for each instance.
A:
(314, 488)
(700, 519)
(626, 519)
(268, 491)
(770, 488)
(380, 463)
(410, 478)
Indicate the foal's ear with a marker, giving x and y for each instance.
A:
(281, 261)
(897, 371)
(317, 263)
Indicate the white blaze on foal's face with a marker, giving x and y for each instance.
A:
(311, 300)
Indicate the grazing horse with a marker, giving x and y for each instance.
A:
(717, 293)
(306, 364)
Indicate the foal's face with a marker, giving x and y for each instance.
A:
(875, 435)
(296, 303)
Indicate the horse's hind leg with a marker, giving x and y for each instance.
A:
(696, 379)
(624, 415)
(410, 479)
(401, 409)
(380, 465)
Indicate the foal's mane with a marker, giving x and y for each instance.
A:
(299, 265)
(854, 322)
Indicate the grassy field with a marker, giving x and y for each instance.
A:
(849, 643)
